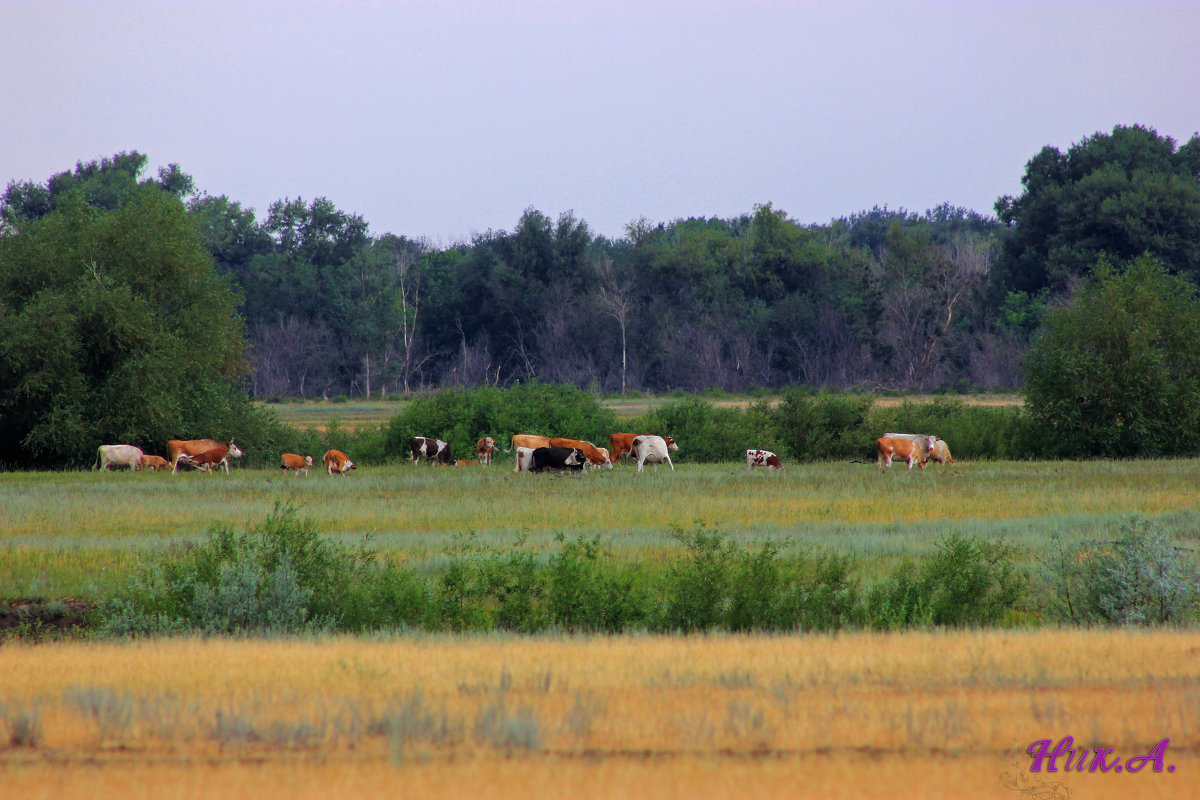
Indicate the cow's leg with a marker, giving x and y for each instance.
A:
(670, 464)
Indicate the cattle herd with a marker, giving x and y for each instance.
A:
(533, 454)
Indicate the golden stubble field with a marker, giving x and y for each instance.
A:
(942, 714)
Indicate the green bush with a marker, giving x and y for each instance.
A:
(966, 582)
(461, 417)
(1139, 579)
(703, 432)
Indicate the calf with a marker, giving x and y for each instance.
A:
(565, 458)
(484, 449)
(118, 455)
(468, 462)
(762, 458)
(337, 463)
(295, 463)
(595, 456)
(154, 463)
(654, 449)
(889, 447)
(429, 448)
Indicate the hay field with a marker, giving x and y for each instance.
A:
(66, 532)
(860, 715)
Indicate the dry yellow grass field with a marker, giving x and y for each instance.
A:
(862, 715)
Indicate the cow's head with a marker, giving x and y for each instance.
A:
(234, 450)
(349, 465)
(308, 462)
(575, 458)
(670, 443)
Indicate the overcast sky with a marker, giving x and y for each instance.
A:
(442, 119)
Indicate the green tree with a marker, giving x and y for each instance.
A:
(1121, 194)
(113, 328)
(1117, 372)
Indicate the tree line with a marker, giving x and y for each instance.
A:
(115, 285)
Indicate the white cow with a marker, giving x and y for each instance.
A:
(654, 449)
(119, 455)
(524, 459)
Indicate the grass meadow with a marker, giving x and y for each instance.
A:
(76, 534)
(855, 715)
(929, 714)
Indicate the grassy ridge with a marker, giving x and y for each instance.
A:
(73, 534)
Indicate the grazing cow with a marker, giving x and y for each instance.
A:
(207, 461)
(889, 447)
(154, 463)
(298, 464)
(524, 459)
(194, 447)
(654, 449)
(337, 463)
(619, 445)
(118, 455)
(484, 449)
(922, 440)
(595, 456)
(941, 452)
(556, 458)
(762, 458)
(532, 441)
(430, 448)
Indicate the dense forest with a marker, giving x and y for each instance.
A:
(881, 299)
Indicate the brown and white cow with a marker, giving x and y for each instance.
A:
(155, 463)
(337, 463)
(889, 447)
(484, 449)
(118, 455)
(295, 463)
(530, 440)
(524, 459)
(207, 461)
(655, 449)
(762, 458)
(430, 448)
(595, 456)
(194, 447)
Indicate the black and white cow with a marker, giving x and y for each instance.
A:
(544, 458)
(433, 449)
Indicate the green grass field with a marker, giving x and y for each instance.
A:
(79, 534)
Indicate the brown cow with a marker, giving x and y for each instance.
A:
(207, 461)
(154, 463)
(595, 457)
(194, 447)
(532, 441)
(298, 464)
(468, 462)
(337, 462)
(887, 447)
(484, 449)
(941, 452)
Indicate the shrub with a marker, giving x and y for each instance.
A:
(1139, 579)
(967, 581)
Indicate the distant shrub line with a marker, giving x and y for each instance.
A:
(282, 577)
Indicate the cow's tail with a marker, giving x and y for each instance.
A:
(96, 466)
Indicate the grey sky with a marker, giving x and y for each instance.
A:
(444, 119)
